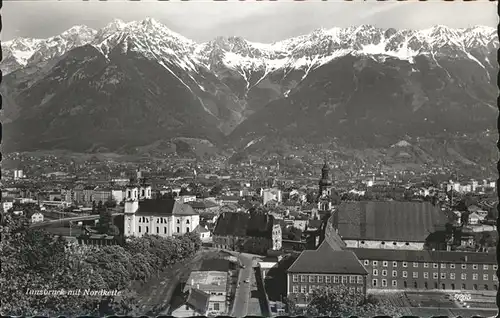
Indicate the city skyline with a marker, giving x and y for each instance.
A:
(28, 19)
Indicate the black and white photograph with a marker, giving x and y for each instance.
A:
(249, 158)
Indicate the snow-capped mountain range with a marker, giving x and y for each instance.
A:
(139, 82)
(154, 40)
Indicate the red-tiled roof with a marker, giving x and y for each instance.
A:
(389, 221)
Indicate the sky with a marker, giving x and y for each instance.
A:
(265, 22)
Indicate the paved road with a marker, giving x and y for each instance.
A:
(243, 291)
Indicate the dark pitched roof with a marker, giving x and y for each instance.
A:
(325, 260)
(425, 256)
(244, 224)
(198, 300)
(164, 207)
(389, 221)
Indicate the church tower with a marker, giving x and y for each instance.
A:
(325, 189)
(131, 207)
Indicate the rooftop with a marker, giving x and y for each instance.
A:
(244, 224)
(207, 281)
(389, 221)
(326, 260)
(425, 256)
(164, 207)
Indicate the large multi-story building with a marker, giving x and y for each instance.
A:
(411, 269)
(323, 267)
(387, 225)
(249, 232)
(157, 216)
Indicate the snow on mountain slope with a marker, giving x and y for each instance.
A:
(304, 52)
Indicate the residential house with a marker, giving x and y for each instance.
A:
(37, 217)
(205, 234)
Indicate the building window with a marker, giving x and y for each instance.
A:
(415, 285)
(375, 272)
(384, 283)
(405, 264)
(385, 263)
(475, 266)
(485, 267)
(475, 276)
(352, 279)
(452, 266)
(295, 279)
(426, 265)
(164, 230)
(147, 229)
(178, 229)
(187, 221)
(434, 275)
(452, 286)
(474, 286)
(374, 283)
(485, 277)
(426, 285)
(360, 279)
(157, 230)
(303, 278)
(367, 262)
(320, 279)
(311, 288)
(328, 279)
(434, 265)
(443, 275)
(344, 279)
(394, 264)
(463, 276)
(312, 279)
(303, 289)
(187, 229)
(495, 267)
(426, 275)
(415, 264)
(452, 275)
(375, 263)
(336, 279)
(405, 274)
(464, 286)
(178, 221)
(394, 273)
(139, 229)
(495, 278)
(384, 273)
(443, 265)
(415, 274)
(216, 305)
(464, 266)
(405, 284)
(394, 283)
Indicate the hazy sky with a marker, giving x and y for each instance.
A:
(256, 21)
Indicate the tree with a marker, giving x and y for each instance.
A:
(105, 221)
(342, 301)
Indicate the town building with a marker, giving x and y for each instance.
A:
(387, 224)
(163, 217)
(197, 304)
(214, 284)
(413, 269)
(325, 190)
(325, 266)
(271, 194)
(37, 217)
(252, 232)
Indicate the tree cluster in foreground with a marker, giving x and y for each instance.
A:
(33, 259)
(340, 301)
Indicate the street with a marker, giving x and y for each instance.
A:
(244, 304)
